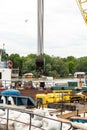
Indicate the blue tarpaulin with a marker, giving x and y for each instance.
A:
(11, 92)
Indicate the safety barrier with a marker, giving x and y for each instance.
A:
(31, 114)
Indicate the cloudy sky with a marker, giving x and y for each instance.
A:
(65, 32)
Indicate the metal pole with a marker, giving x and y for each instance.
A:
(40, 10)
(7, 118)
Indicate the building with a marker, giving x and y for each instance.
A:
(5, 72)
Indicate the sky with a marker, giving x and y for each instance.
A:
(65, 32)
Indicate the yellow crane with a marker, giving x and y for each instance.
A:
(83, 8)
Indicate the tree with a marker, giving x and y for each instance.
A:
(71, 66)
(28, 63)
(17, 61)
(53, 66)
(60, 66)
(81, 64)
(71, 62)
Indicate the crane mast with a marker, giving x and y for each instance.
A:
(83, 8)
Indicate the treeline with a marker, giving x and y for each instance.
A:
(53, 66)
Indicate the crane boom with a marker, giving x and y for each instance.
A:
(83, 8)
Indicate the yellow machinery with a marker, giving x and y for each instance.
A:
(55, 97)
(58, 96)
(83, 8)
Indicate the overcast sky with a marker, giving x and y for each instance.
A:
(65, 32)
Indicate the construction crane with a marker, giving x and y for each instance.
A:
(83, 8)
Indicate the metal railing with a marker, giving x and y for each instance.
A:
(31, 114)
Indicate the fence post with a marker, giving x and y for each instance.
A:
(7, 118)
(30, 121)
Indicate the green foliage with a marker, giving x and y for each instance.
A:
(71, 66)
(81, 64)
(53, 66)
(4, 56)
(16, 59)
(28, 64)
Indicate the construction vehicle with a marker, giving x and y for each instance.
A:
(51, 100)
